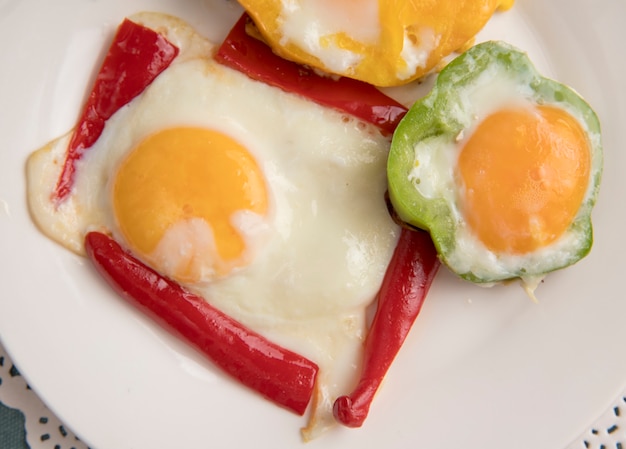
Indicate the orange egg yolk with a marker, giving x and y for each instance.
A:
(525, 173)
(174, 198)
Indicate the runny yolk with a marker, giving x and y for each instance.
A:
(174, 198)
(525, 172)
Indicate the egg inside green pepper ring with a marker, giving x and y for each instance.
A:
(501, 165)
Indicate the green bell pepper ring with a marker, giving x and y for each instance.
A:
(443, 118)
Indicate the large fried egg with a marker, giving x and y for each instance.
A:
(384, 43)
(268, 205)
(501, 165)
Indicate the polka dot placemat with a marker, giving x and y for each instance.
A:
(25, 422)
(608, 432)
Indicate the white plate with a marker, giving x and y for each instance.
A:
(481, 369)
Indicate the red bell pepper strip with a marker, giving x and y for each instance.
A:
(135, 58)
(256, 59)
(278, 374)
(407, 280)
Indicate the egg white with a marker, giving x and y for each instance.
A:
(306, 23)
(325, 244)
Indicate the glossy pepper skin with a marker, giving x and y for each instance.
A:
(407, 280)
(254, 58)
(135, 58)
(278, 374)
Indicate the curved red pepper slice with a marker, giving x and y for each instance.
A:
(411, 271)
(280, 375)
(135, 58)
(254, 58)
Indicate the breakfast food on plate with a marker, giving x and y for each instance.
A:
(501, 165)
(240, 198)
(384, 43)
(212, 185)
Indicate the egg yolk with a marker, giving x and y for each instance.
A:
(382, 42)
(175, 197)
(525, 173)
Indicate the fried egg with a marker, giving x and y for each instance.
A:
(384, 43)
(501, 165)
(266, 204)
